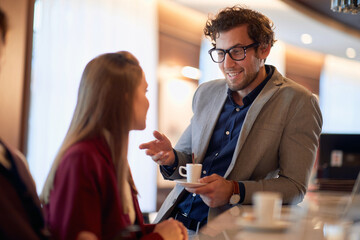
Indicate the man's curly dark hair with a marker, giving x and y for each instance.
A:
(3, 25)
(260, 28)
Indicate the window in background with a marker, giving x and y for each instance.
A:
(339, 95)
(67, 35)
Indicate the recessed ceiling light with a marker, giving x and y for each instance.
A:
(350, 53)
(306, 38)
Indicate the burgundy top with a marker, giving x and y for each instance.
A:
(85, 196)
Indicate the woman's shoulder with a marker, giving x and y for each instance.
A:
(88, 147)
(88, 153)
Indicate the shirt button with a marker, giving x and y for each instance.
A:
(204, 172)
(237, 109)
(216, 154)
(194, 194)
(227, 132)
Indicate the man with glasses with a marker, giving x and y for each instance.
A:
(253, 131)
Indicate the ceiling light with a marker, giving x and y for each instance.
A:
(347, 6)
(191, 72)
(306, 38)
(350, 53)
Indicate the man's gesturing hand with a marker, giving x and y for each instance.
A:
(160, 149)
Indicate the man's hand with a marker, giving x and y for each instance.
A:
(216, 193)
(160, 149)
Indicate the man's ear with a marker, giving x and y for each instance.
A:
(264, 50)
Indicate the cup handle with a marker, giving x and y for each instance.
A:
(181, 171)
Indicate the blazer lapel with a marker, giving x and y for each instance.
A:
(216, 102)
(269, 90)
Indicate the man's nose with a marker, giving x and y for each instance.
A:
(228, 61)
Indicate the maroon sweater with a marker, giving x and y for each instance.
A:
(85, 196)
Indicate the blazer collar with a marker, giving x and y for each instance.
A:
(216, 104)
(265, 95)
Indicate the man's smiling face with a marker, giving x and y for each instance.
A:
(240, 75)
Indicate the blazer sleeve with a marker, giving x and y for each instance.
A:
(297, 152)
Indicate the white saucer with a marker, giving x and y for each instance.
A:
(184, 183)
(252, 225)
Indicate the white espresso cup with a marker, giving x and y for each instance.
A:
(267, 207)
(193, 172)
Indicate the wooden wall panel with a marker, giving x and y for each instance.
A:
(174, 51)
(304, 67)
(15, 71)
(180, 34)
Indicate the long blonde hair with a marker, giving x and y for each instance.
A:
(105, 103)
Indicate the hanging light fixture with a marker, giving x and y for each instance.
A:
(346, 6)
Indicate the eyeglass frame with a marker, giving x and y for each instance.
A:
(255, 44)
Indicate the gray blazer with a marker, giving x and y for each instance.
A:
(276, 148)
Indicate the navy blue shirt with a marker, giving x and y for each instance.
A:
(221, 149)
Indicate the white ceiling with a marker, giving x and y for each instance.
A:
(289, 23)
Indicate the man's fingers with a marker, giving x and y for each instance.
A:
(157, 156)
(198, 190)
(150, 152)
(209, 179)
(158, 135)
(152, 143)
(145, 145)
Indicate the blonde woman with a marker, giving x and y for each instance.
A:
(90, 193)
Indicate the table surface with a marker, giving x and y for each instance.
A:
(319, 216)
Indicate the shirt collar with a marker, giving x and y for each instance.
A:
(248, 99)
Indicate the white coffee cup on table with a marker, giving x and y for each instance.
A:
(267, 207)
(193, 172)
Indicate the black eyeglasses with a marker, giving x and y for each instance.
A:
(237, 53)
